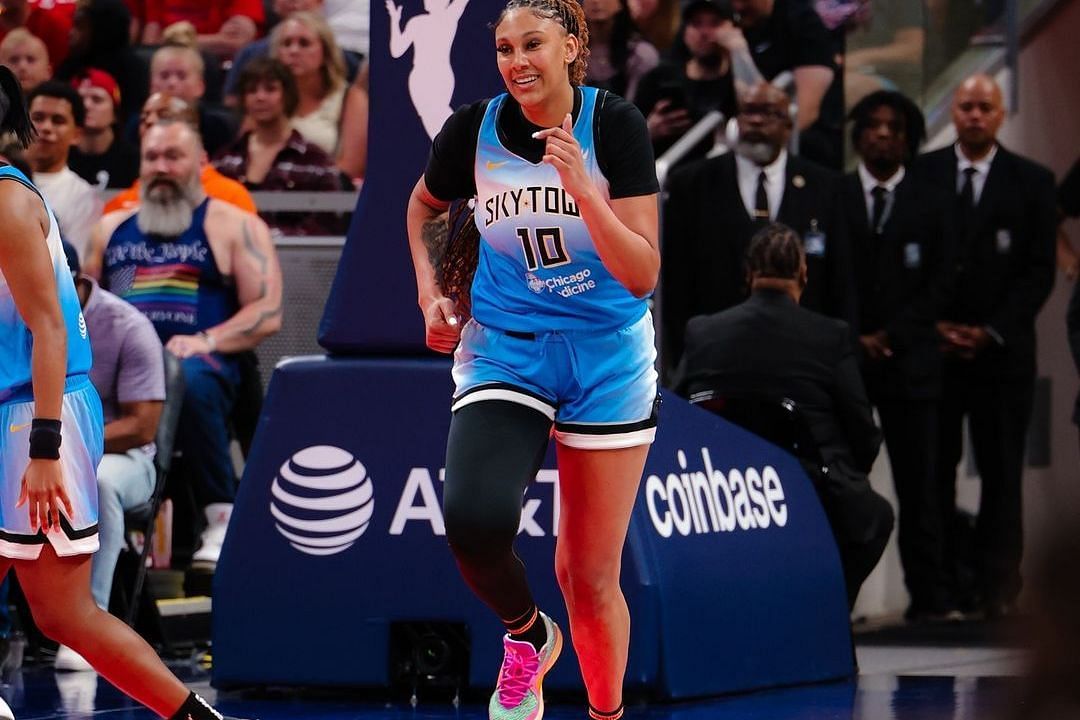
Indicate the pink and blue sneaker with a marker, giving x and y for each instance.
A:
(519, 693)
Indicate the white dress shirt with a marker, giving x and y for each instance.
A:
(982, 169)
(869, 182)
(748, 172)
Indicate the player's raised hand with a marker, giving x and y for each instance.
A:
(562, 152)
(443, 326)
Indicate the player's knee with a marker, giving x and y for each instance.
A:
(476, 534)
(59, 622)
(589, 592)
(562, 572)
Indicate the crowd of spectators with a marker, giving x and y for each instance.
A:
(117, 55)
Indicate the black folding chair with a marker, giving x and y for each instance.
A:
(249, 400)
(140, 520)
(776, 419)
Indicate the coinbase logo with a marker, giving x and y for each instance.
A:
(323, 500)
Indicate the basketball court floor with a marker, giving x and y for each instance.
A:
(894, 683)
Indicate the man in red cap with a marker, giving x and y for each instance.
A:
(102, 157)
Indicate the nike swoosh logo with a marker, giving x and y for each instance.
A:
(495, 165)
(16, 428)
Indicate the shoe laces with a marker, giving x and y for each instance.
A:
(520, 665)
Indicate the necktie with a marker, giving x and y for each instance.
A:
(967, 189)
(877, 215)
(761, 201)
(966, 201)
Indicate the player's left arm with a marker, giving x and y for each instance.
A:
(625, 232)
(28, 268)
(627, 239)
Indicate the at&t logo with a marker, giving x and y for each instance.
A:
(322, 500)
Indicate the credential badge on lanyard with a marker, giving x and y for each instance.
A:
(1004, 241)
(814, 240)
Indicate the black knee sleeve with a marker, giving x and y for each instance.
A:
(494, 450)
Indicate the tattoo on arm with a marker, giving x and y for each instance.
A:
(434, 234)
(249, 245)
(263, 317)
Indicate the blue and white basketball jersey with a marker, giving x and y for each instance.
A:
(15, 339)
(538, 268)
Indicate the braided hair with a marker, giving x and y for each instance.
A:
(455, 269)
(775, 252)
(567, 13)
(14, 113)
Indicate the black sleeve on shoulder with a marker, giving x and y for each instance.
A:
(449, 173)
(623, 148)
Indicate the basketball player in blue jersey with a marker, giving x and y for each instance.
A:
(51, 439)
(560, 334)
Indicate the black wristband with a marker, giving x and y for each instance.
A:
(45, 439)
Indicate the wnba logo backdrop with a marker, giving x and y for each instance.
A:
(428, 57)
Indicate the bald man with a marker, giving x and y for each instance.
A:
(1003, 221)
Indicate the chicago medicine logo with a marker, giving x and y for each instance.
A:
(322, 499)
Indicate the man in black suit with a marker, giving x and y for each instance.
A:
(769, 347)
(714, 206)
(1069, 206)
(1004, 218)
(897, 243)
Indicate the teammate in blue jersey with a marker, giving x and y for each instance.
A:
(552, 330)
(51, 439)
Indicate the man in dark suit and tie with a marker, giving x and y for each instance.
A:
(897, 242)
(714, 207)
(1003, 268)
(769, 347)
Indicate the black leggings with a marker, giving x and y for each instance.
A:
(493, 452)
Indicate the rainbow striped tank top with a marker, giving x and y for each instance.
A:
(174, 281)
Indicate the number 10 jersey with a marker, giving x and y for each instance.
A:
(538, 268)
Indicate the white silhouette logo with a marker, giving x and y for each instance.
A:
(323, 500)
(431, 82)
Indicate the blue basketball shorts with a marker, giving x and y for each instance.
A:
(83, 437)
(598, 387)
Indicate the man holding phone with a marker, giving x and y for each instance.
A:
(677, 93)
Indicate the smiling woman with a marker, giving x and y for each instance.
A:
(543, 293)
